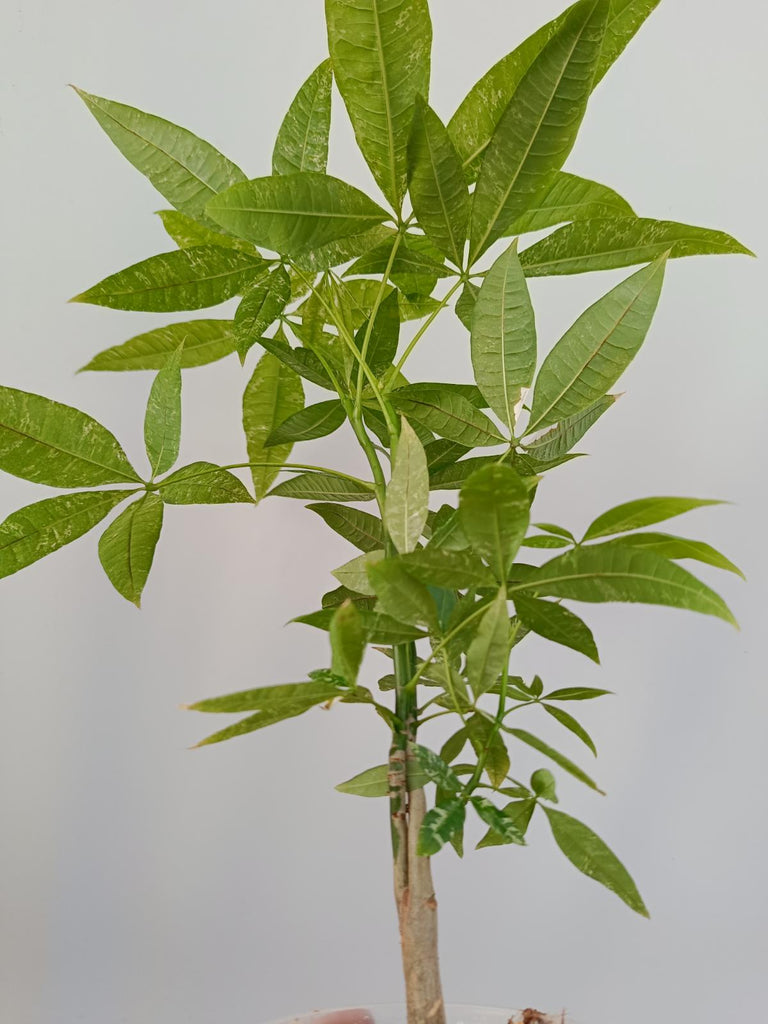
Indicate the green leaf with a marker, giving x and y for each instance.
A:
(494, 506)
(435, 768)
(560, 759)
(365, 531)
(204, 341)
(315, 421)
(302, 361)
(439, 825)
(572, 725)
(498, 821)
(183, 279)
(348, 642)
(454, 476)
(384, 337)
(436, 184)
(610, 572)
(576, 693)
(332, 254)
(545, 541)
(556, 623)
(49, 443)
(454, 570)
(273, 393)
(447, 414)
(447, 532)
(607, 243)
(162, 422)
(489, 743)
(634, 515)
(295, 212)
(182, 167)
(407, 498)
(374, 782)
(570, 198)
(354, 574)
(626, 17)
(414, 272)
(593, 354)
(543, 784)
(261, 305)
(538, 128)
(302, 142)
(188, 232)
(488, 654)
(465, 304)
(381, 61)
(202, 483)
(681, 547)
(519, 813)
(587, 852)
(37, 530)
(558, 531)
(323, 487)
(127, 546)
(566, 435)
(270, 698)
(503, 342)
(402, 596)
(381, 629)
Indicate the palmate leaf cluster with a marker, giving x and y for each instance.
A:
(335, 289)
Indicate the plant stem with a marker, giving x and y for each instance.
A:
(422, 331)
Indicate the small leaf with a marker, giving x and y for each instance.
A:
(365, 531)
(519, 813)
(315, 421)
(681, 547)
(435, 768)
(323, 487)
(183, 279)
(446, 413)
(202, 483)
(182, 167)
(402, 596)
(465, 304)
(348, 642)
(488, 653)
(273, 393)
(576, 693)
(33, 532)
(302, 361)
(261, 305)
(558, 531)
(127, 546)
(270, 698)
(498, 821)
(503, 343)
(634, 515)
(447, 532)
(302, 142)
(50, 443)
(543, 785)
(553, 622)
(407, 499)
(354, 574)
(572, 725)
(494, 507)
(384, 336)
(162, 423)
(545, 541)
(381, 629)
(294, 212)
(560, 759)
(607, 243)
(558, 441)
(490, 744)
(591, 856)
(204, 341)
(439, 825)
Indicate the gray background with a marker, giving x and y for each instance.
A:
(143, 882)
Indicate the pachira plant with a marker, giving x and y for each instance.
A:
(335, 291)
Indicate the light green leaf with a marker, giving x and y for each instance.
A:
(538, 128)
(204, 341)
(570, 198)
(188, 232)
(557, 624)
(572, 725)
(447, 414)
(37, 530)
(381, 61)
(182, 167)
(273, 393)
(503, 342)
(454, 476)
(681, 547)
(315, 421)
(295, 212)
(519, 812)
(407, 499)
(545, 541)
(374, 782)
(436, 184)
(558, 531)
(381, 629)
(439, 825)
(498, 821)
(447, 532)
(354, 574)
(626, 17)
(261, 305)
(183, 279)
(127, 546)
(384, 337)
(488, 653)
(634, 515)
(591, 856)
(332, 254)
(162, 422)
(270, 698)
(543, 784)
(50, 443)
(323, 487)
(593, 354)
(560, 759)
(576, 693)
(453, 570)
(465, 304)
(607, 243)
(401, 595)
(566, 435)
(360, 528)
(202, 483)
(302, 142)
(435, 768)
(610, 572)
(348, 642)
(490, 744)
(494, 507)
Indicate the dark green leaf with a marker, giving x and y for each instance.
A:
(414, 272)
(348, 642)
(261, 305)
(439, 825)
(498, 821)
(402, 596)
(465, 304)
(127, 546)
(441, 453)
(456, 570)
(384, 336)
(634, 515)
(447, 532)
(560, 759)
(556, 623)
(454, 476)
(447, 414)
(488, 654)
(381, 629)
(203, 483)
(407, 499)
(162, 422)
(490, 744)
(204, 341)
(302, 142)
(302, 361)
(314, 421)
(323, 487)
(494, 508)
(273, 393)
(572, 725)
(365, 531)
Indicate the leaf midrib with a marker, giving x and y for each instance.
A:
(71, 515)
(75, 455)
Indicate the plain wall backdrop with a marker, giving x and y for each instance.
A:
(141, 882)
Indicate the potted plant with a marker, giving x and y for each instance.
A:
(453, 568)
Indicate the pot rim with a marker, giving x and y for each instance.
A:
(503, 1015)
